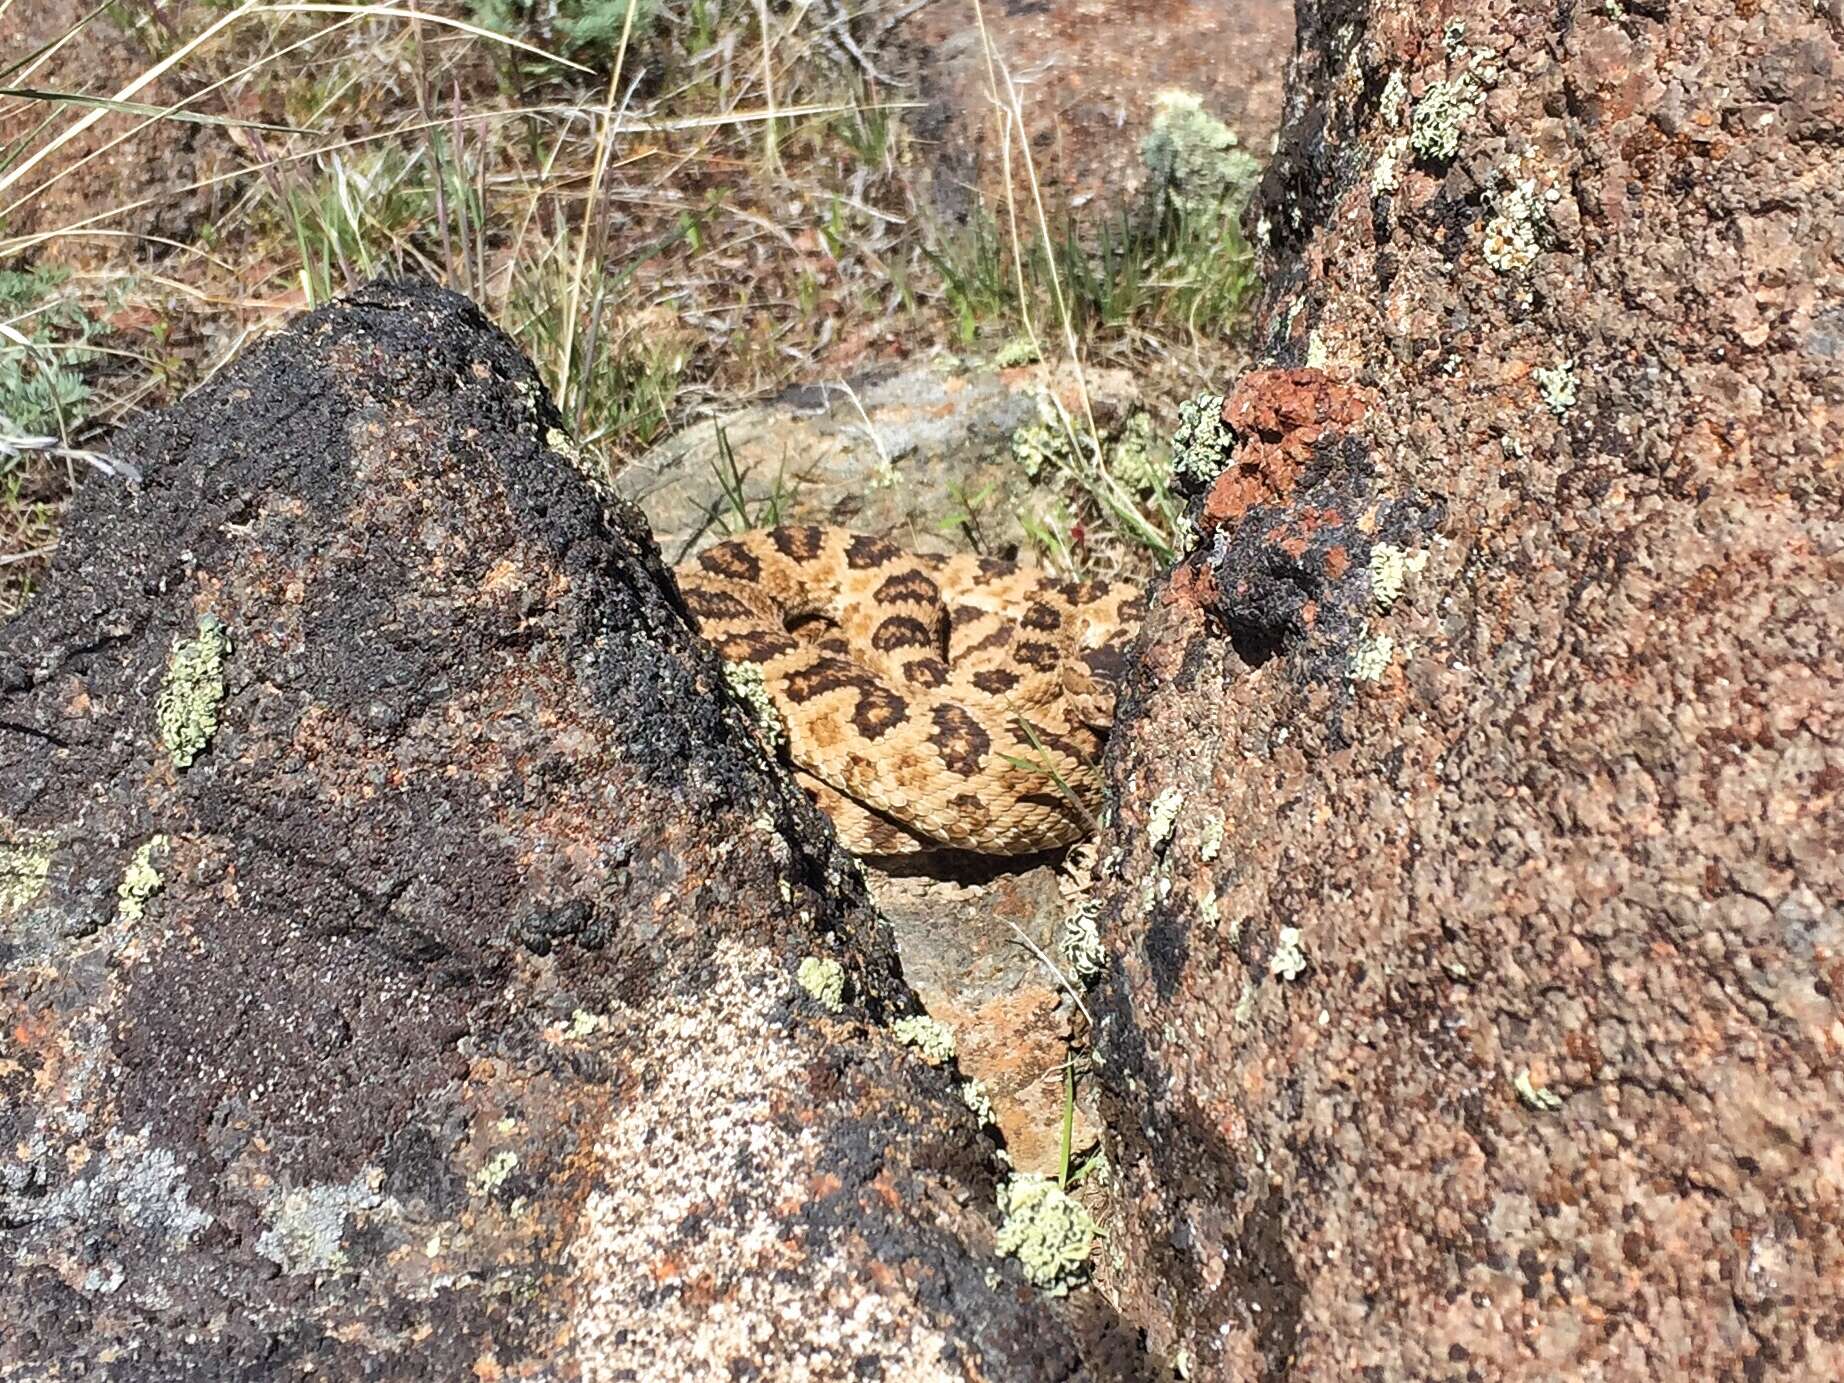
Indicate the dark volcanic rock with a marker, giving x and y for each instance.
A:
(1476, 885)
(399, 933)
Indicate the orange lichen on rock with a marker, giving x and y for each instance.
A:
(1278, 417)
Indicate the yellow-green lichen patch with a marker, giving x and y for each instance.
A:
(934, 1040)
(974, 1096)
(1046, 443)
(1210, 836)
(584, 1025)
(306, 1226)
(493, 1174)
(747, 684)
(824, 979)
(25, 864)
(1390, 569)
(1394, 100)
(1370, 659)
(1511, 236)
(1386, 174)
(1047, 1230)
(1020, 350)
(186, 711)
(1138, 457)
(141, 881)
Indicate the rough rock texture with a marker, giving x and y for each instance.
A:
(1087, 76)
(1476, 888)
(440, 1017)
(918, 455)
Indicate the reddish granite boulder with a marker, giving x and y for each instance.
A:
(1478, 881)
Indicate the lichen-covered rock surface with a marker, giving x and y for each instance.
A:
(1477, 888)
(400, 930)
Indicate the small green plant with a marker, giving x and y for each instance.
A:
(588, 30)
(354, 220)
(741, 513)
(45, 339)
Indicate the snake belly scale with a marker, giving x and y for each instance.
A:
(931, 703)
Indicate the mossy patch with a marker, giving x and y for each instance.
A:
(186, 711)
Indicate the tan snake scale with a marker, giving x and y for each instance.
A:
(931, 703)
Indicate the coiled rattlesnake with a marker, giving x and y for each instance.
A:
(930, 702)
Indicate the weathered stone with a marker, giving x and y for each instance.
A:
(439, 1016)
(913, 455)
(1088, 79)
(1475, 1010)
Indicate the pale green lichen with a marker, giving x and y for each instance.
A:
(1210, 836)
(974, 1096)
(25, 864)
(1444, 109)
(1044, 443)
(1512, 235)
(492, 1175)
(306, 1225)
(1386, 175)
(824, 979)
(933, 1039)
(1536, 1096)
(1390, 569)
(1020, 350)
(1047, 1230)
(1245, 1004)
(749, 687)
(1317, 356)
(1079, 939)
(186, 711)
(584, 1024)
(1558, 385)
(1289, 958)
(1195, 159)
(141, 881)
(1394, 100)
(1162, 816)
(564, 445)
(1202, 443)
(1138, 457)
(1371, 657)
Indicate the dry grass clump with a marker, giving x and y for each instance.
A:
(673, 205)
